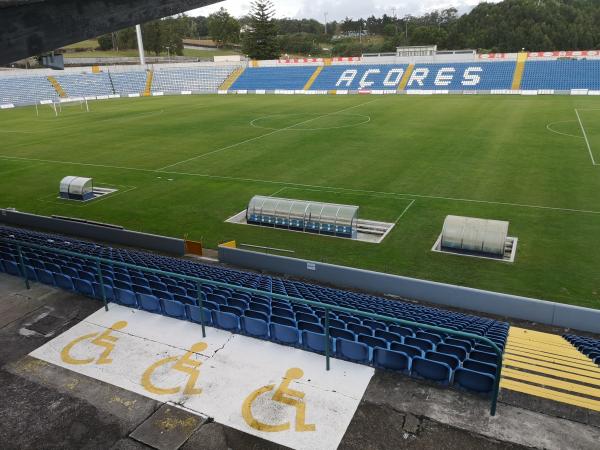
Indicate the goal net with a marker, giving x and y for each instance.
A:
(68, 105)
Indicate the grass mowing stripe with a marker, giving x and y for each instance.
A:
(481, 156)
(261, 136)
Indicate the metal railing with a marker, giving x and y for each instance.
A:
(201, 281)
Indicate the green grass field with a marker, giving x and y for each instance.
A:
(183, 165)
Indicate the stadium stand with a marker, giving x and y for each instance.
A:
(556, 75)
(203, 79)
(562, 75)
(85, 84)
(588, 346)
(377, 77)
(124, 83)
(428, 77)
(431, 356)
(273, 78)
(25, 90)
(462, 76)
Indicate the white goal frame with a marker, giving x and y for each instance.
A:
(65, 103)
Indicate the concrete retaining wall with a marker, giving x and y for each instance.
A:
(94, 232)
(511, 306)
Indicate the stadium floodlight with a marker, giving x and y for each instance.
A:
(140, 41)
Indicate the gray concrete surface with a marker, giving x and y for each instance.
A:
(513, 425)
(43, 406)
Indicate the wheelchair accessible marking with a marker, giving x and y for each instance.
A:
(279, 393)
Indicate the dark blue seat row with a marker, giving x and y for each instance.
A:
(588, 346)
(353, 337)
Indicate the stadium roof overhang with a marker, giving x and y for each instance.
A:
(32, 27)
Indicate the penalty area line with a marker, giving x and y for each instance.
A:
(405, 211)
(237, 144)
(587, 141)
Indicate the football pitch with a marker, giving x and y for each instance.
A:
(183, 165)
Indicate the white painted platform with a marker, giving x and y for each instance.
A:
(229, 370)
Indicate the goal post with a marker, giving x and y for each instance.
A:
(63, 105)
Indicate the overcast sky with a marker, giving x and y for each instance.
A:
(339, 9)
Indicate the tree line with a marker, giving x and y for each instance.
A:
(508, 26)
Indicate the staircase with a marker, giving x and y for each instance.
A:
(231, 79)
(518, 77)
(149, 78)
(406, 77)
(547, 366)
(57, 87)
(313, 78)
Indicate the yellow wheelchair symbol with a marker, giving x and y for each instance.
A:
(183, 364)
(283, 394)
(103, 339)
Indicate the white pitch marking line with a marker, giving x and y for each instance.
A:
(279, 191)
(549, 128)
(261, 136)
(586, 138)
(354, 125)
(300, 185)
(404, 212)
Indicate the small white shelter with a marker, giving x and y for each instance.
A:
(468, 234)
(77, 188)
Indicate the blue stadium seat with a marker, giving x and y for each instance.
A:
(172, 308)
(285, 334)
(194, 314)
(402, 331)
(459, 343)
(490, 358)
(255, 327)
(431, 370)
(339, 333)
(63, 282)
(260, 307)
(149, 303)
(126, 298)
(226, 321)
(11, 268)
(359, 329)
(420, 343)
(84, 287)
(305, 317)
(231, 309)
(388, 336)
(391, 360)
(45, 276)
(561, 75)
(283, 312)
(353, 351)
(474, 381)
(372, 341)
(310, 326)
(407, 349)
(478, 366)
(272, 78)
(283, 321)
(451, 360)
(315, 341)
(455, 350)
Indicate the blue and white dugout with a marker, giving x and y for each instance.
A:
(77, 188)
